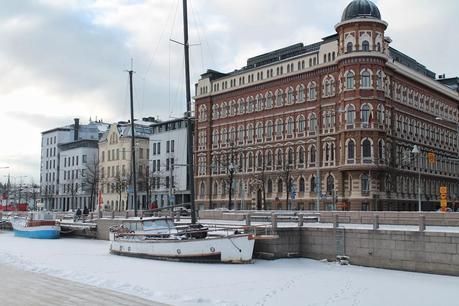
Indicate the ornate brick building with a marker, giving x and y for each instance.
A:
(334, 122)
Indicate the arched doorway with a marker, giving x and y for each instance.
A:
(259, 199)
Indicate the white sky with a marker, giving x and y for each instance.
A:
(66, 59)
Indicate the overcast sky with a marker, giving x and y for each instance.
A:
(66, 59)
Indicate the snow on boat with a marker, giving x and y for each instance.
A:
(159, 238)
(38, 224)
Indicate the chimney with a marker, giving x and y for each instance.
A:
(76, 129)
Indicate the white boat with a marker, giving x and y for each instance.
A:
(37, 224)
(159, 238)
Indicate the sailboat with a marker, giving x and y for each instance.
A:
(160, 238)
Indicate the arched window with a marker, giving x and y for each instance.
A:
(381, 149)
(349, 47)
(350, 115)
(350, 151)
(269, 100)
(290, 126)
(313, 184)
(380, 114)
(301, 124)
(378, 46)
(311, 91)
(215, 190)
(259, 160)
(269, 158)
(290, 156)
(279, 157)
(312, 154)
(290, 95)
(279, 97)
(365, 46)
(301, 185)
(301, 96)
(280, 186)
(270, 186)
(202, 189)
(365, 114)
(365, 183)
(279, 127)
(366, 150)
(350, 80)
(301, 155)
(259, 130)
(366, 79)
(269, 129)
(312, 123)
(330, 183)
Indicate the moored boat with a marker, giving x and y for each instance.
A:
(159, 238)
(37, 224)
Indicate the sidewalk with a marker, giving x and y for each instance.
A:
(21, 288)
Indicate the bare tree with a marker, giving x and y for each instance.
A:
(90, 181)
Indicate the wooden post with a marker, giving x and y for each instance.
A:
(300, 220)
(274, 223)
(422, 223)
(376, 222)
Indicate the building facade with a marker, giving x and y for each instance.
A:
(331, 125)
(115, 164)
(78, 175)
(51, 190)
(168, 160)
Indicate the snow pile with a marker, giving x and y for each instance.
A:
(280, 282)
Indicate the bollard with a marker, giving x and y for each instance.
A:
(248, 219)
(113, 214)
(300, 220)
(376, 223)
(177, 215)
(274, 223)
(422, 223)
(335, 221)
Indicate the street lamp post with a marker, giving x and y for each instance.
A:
(417, 152)
(231, 171)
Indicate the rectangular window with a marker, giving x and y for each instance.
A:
(167, 164)
(172, 145)
(77, 160)
(141, 153)
(167, 146)
(85, 159)
(124, 154)
(159, 148)
(154, 149)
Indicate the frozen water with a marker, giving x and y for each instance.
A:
(280, 282)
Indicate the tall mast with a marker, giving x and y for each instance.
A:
(190, 125)
(133, 143)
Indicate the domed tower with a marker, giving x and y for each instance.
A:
(362, 55)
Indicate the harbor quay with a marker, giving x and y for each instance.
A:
(411, 241)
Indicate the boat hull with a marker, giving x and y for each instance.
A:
(228, 249)
(36, 232)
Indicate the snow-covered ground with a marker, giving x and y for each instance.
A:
(280, 282)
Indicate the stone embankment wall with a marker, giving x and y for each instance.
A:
(430, 252)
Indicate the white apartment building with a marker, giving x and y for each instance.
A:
(168, 160)
(78, 175)
(50, 156)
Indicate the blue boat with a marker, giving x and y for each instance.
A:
(38, 225)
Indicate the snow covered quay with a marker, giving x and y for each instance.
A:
(280, 282)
